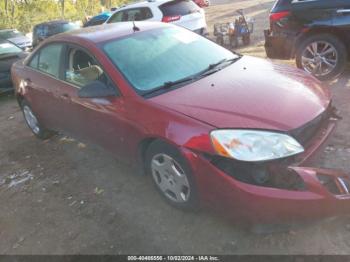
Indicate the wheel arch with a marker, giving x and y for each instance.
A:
(321, 30)
(142, 147)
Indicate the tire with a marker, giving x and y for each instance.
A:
(337, 59)
(161, 160)
(37, 128)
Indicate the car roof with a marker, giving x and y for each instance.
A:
(143, 4)
(105, 32)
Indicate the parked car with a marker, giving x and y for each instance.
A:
(9, 53)
(202, 3)
(315, 33)
(98, 19)
(184, 13)
(16, 37)
(209, 126)
(47, 29)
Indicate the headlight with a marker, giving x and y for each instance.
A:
(253, 145)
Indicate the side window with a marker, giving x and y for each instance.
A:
(116, 17)
(47, 60)
(35, 61)
(134, 14)
(138, 14)
(81, 69)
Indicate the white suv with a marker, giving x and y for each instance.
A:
(184, 13)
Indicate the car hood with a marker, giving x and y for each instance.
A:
(251, 93)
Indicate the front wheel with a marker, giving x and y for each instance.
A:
(171, 175)
(323, 56)
(33, 122)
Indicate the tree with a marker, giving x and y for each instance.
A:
(24, 14)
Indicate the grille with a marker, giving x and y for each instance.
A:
(306, 132)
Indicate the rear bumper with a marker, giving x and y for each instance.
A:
(264, 205)
(279, 46)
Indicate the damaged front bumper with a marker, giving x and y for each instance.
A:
(289, 194)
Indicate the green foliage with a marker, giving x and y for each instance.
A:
(24, 14)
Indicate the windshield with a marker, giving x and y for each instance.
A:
(10, 34)
(150, 59)
(8, 48)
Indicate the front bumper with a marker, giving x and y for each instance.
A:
(258, 204)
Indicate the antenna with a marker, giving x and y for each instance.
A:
(135, 28)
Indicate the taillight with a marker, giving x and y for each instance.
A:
(277, 17)
(168, 19)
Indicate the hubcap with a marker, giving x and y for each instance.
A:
(319, 58)
(31, 119)
(170, 178)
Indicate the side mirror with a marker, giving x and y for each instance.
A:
(96, 89)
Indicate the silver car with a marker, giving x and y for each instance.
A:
(16, 37)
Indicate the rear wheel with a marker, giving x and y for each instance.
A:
(33, 122)
(171, 175)
(323, 56)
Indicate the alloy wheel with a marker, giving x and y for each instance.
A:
(319, 58)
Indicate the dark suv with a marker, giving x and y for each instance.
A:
(314, 32)
(47, 29)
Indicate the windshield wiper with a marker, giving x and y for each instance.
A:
(212, 68)
(223, 61)
(170, 84)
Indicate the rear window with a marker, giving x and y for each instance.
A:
(179, 7)
(60, 28)
(284, 5)
(281, 5)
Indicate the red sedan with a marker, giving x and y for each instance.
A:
(210, 127)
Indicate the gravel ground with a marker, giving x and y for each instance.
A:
(62, 196)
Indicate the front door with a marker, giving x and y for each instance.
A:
(100, 119)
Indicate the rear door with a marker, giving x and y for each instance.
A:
(184, 13)
(41, 78)
(342, 18)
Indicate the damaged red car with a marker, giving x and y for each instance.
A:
(210, 127)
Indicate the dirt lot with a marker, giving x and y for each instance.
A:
(64, 197)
